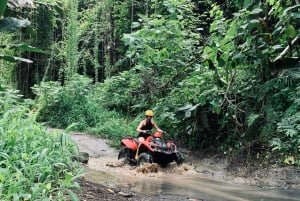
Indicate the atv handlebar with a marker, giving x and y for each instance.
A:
(149, 132)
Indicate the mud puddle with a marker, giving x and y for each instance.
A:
(191, 181)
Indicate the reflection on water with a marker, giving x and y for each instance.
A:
(196, 187)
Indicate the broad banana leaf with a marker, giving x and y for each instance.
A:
(12, 24)
(24, 47)
(15, 59)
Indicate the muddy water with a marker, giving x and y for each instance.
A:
(208, 189)
(173, 183)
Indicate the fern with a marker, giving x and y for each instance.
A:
(289, 127)
(251, 119)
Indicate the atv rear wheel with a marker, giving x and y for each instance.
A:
(144, 158)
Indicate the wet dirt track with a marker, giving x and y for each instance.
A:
(194, 180)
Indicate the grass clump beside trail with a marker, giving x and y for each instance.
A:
(34, 164)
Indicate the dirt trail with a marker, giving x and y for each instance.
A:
(195, 180)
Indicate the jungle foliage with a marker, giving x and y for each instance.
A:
(35, 164)
(219, 75)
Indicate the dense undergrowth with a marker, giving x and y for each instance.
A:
(85, 110)
(77, 105)
(35, 164)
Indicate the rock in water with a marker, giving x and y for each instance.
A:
(82, 157)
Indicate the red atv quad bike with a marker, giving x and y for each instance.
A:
(153, 150)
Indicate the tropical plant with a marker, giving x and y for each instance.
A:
(35, 164)
(246, 56)
(14, 24)
(77, 104)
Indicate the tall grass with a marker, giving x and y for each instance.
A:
(34, 164)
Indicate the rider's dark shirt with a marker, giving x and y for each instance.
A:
(148, 126)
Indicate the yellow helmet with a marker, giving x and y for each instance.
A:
(149, 113)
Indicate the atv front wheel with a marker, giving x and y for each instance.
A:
(179, 158)
(144, 158)
(128, 154)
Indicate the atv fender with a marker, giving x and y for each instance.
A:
(146, 145)
(130, 143)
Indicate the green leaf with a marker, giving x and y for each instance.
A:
(188, 114)
(213, 27)
(291, 132)
(2, 178)
(135, 25)
(48, 186)
(71, 127)
(186, 107)
(295, 15)
(3, 4)
(290, 8)
(247, 3)
(13, 24)
(180, 17)
(73, 196)
(15, 59)
(24, 47)
(68, 178)
(271, 2)
(276, 47)
(256, 11)
(290, 31)
(254, 21)
(251, 119)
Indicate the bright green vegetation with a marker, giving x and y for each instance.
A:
(76, 104)
(35, 164)
(220, 77)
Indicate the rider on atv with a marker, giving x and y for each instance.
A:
(150, 147)
(146, 125)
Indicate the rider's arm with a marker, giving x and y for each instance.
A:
(156, 127)
(139, 128)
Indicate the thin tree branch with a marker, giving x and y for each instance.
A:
(269, 13)
(285, 51)
(226, 94)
